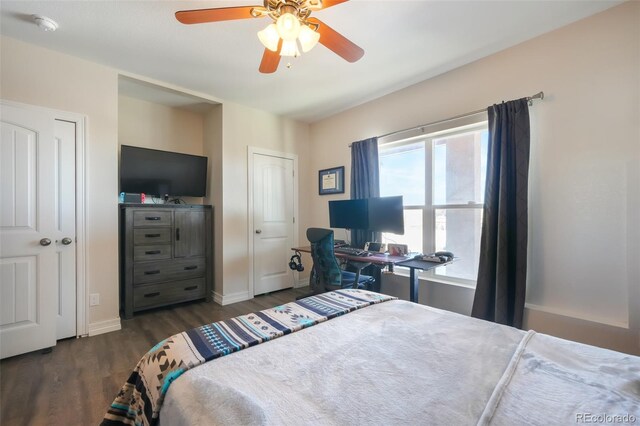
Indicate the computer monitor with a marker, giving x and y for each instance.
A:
(348, 214)
(386, 214)
(382, 214)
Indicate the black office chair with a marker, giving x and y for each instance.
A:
(326, 274)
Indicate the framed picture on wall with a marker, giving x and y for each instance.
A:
(331, 181)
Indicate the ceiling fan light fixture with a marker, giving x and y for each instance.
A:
(308, 38)
(269, 37)
(288, 26)
(289, 48)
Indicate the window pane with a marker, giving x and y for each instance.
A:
(412, 232)
(460, 168)
(458, 231)
(402, 172)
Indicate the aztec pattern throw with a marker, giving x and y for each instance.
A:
(138, 402)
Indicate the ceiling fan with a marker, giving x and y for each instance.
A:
(291, 25)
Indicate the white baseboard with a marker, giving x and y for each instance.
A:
(228, 299)
(105, 326)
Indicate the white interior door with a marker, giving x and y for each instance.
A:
(273, 213)
(32, 253)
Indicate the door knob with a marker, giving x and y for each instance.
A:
(258, 231)
(45, 242)
(66, 241)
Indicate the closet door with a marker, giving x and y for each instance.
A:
(273, 211)
(30, 252)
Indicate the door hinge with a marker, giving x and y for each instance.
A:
(294, 220)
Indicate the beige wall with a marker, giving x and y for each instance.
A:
(243, 127)
(213, 150)
(37, 76)
(151, 125)
(584, 173)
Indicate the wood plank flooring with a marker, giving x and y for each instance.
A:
(76, 382)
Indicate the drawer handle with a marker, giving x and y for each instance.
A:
(153, 252)
(152, 218)
(193, 287)
(151, 272)
(152, 235)
(190, 268)
(157, 293)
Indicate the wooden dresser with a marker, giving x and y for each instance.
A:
(166, 255)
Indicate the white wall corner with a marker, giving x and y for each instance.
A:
(105, 326)
(228, 299)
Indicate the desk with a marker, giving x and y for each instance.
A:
(375, 258)
(381, 259)
(413, 265)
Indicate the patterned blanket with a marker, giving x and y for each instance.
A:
(140, 399)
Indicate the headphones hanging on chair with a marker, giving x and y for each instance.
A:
(295, 263)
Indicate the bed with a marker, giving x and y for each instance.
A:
(383, 361)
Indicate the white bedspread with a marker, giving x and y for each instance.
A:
(403, 363)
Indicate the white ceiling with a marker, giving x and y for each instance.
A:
(404, 41)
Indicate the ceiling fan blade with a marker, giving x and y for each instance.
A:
(329, 3)
(270, 60)
(199, 16)
(323, 4)
(336, 42)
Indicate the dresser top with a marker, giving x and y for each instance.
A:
(164, 206)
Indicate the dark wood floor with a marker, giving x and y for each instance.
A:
(76, 382)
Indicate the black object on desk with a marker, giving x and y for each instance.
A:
(413, 265)
(350, 251)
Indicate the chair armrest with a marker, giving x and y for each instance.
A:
(359, 266)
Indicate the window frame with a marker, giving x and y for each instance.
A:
(427, 136)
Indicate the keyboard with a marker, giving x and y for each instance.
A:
(350, 250)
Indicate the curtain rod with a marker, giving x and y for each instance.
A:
(539, 95)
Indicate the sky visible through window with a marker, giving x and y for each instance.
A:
(402, 173)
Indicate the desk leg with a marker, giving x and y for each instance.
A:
(377, 276)
(413, 285)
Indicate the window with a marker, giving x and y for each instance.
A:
(442, 178)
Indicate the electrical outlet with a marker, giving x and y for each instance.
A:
(94, 299)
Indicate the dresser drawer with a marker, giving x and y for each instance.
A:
(152, 218)
(151, 236)
(166, 293)
(151, 252)
(153, 272)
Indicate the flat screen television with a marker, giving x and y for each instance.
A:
(382, 214)
(161, 173)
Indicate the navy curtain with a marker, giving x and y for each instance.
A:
(365, 182)
(501, 286)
